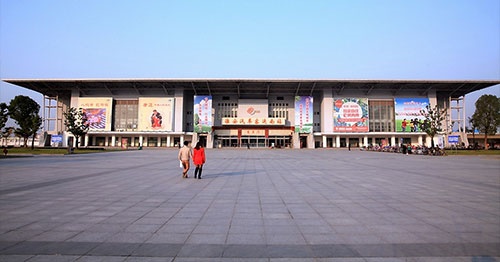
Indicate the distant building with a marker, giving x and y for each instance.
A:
(259, 113)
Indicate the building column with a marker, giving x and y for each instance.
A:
(210, 140)
(365, 141)
(337, 141)
(324, 141)
(420, 140)
(310, 141)
(393, 140)
(158, 143)
(327, 112)
(94, 141)
(86, 137)
(168, 141)
(113, 140)
(179, 110)
(145, 139)
(141, 139)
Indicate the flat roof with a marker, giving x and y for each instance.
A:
(245, 87)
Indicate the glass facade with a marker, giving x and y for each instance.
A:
(126, 115)
(381, 115)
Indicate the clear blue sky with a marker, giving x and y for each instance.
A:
(351, 39)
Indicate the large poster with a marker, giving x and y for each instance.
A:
(303, 114)
(156, 113)
(350, 115)
(98, 112)
(202, 114)
(408, 115)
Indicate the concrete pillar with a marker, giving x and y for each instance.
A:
(113, 140)
(310, 141)
(210, 140)
(365, 141)
(168, 141)
(141, 140)
(327, 112)
(158, 143)
(393, 140)
(179, 110)
(420, 140)
(296, 140)
(145, 139)
(337, 141)
(324, 141)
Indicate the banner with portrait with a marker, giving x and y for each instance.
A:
(350, 115)
(303, 114)
(97, 111)
(156, 113)
(408, 114)
(202, 114)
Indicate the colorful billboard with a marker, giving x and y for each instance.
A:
(202, 114)
(98, 112)
(407, 113)
(303, 114)
(350, 115)
(156, 114)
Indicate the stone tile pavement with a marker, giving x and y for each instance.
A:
(251, 205)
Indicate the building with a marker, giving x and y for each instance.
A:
(252, 112)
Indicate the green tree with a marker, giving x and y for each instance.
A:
(487, 115)
(433, 120)
(4, 115)
(24, 111)
(76, 123)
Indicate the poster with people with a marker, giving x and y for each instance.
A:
(350, 115)
(408, 114)
(303, 114)
(202, 114)
(97, 111)
(156, 114)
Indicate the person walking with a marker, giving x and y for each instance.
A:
(198, 159)
(185, 155)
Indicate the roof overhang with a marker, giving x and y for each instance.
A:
(249, 87)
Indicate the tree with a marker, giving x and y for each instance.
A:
(487, 115)
(4, 115)
(76, 123)
(24, 111)
(432, 122)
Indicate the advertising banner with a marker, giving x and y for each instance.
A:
(303, 114)
(254, 108)
(98, 112)
(156, 113)
(407, 113)
(202, 114)
(350, 115)
(252, 121)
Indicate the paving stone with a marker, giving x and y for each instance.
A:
(252, 205)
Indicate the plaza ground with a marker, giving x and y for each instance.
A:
(251, 205)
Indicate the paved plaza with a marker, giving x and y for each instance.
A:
(251, 205)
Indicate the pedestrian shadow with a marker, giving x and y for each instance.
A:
(233, 173)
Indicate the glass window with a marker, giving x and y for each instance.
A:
(381, 115)
(126, 115)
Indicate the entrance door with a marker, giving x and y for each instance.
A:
(203, 140)
(303, 142)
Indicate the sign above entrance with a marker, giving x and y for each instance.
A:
(253, 121)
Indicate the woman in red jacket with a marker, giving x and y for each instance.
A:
(198, 159)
